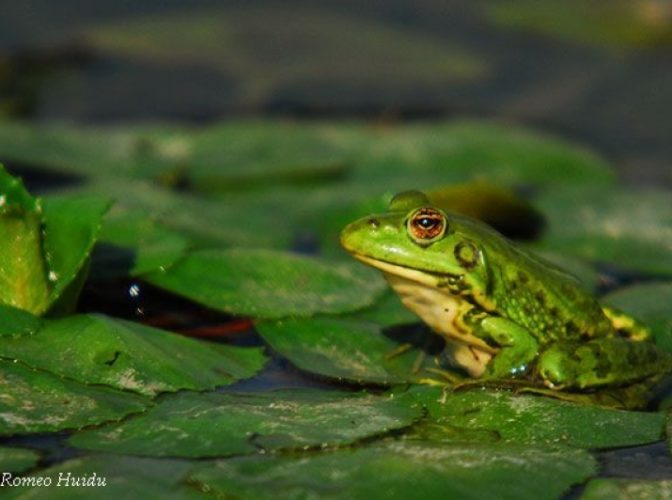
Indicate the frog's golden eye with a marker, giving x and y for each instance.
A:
(427, 225)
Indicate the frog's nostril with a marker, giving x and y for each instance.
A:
(374, 223)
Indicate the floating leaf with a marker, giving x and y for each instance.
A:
(96, 349)
(426, 155)
(627, 489)
(35, 401)
(152, 246)
(400, 470)
(202, 425)
(631, 229)
(650, 303)
(620, 23)
(15, 322)
(357, 350)
(540, 421)
(269, 284)
(43, 254)
(111, 478)
(17, 459)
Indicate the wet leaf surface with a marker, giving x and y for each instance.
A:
(404, 470)
(35, 401)
(535, 420)
(124, 477)
(211, 425)
(16, 322)
(97, 349)
(627, 489)
(17, 460)
(630, 229)
(269, 284)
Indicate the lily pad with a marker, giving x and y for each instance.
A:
(111, 478)
(627, 489)
(96, 349)
(44, 252)
(630, 229)
(650, 303)
(538, 420)
(403, 470)
(426, 155)
(209, 425)
(269, 284)
(152, 245)
(356, 350)
(16, 322)
(619, 23)
(17, 459)
(35, 401)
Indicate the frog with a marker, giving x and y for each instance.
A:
(504, 312)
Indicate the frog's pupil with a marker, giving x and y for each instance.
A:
(428, 223)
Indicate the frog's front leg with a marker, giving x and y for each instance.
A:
(518, 347)
(600, 362)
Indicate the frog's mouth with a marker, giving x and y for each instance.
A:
(426, 278)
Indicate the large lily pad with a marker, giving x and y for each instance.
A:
(628, 489)
(404, 470)
(202, 425)
(269, 284)
(352, 349)
(35, 401)
(630, 229)
(537, 420)
(426, 155)
(620, 23)
(112, 478)
(96, 349)
(17, 459)
(650, 303)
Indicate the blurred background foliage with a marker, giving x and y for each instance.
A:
(597, 72)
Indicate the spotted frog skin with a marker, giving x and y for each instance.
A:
(504, 312)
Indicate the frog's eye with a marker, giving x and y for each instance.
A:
(426, 225)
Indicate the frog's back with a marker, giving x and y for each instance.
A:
(551, 303)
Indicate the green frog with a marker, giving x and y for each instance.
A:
(504, 312)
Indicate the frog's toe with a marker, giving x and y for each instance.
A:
(555, 369)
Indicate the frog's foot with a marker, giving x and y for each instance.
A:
(601, 362)
(626, 325)
(518, 347)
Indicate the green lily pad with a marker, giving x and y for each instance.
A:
(17, 459)
(153, 246)
(269, 284)
(650, 303)
(426, 155)
(630, 229)
(133, 151)
(44, 252)
(627, 489)
(403, 470)
(232, 156)
(35, 401)
(208, 425)
(96, 349)
(347, 348)
(619, 23)
(111, 478)
(16, 322)
(71, 226)
(538, 420)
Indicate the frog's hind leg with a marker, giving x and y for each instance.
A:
(626, 325)
(601, 362)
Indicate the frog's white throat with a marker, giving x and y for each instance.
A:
(437, 307)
